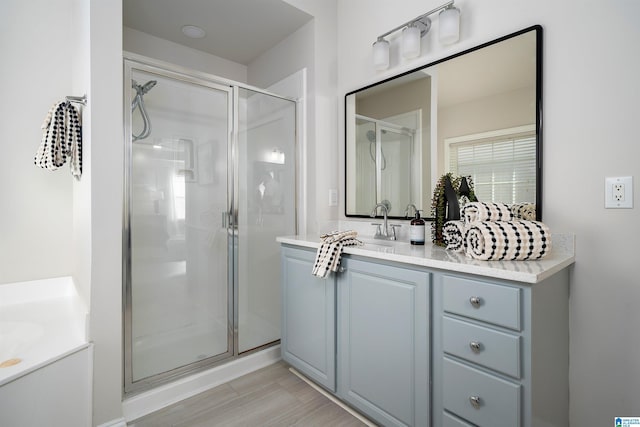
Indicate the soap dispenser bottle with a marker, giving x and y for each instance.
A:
(416, 230)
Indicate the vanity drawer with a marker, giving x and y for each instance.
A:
(487, 302)
(487, 347)
(481, 398)
(449, 420)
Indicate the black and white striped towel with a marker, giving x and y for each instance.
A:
(483, 211)
(524, 211)
(61, 139)
(508, 240)
(330, 251)
(454, 235)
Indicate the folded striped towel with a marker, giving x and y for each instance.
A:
(330, 251)
(483, 211)
(454, 234)
(508, 240)
(524, 211)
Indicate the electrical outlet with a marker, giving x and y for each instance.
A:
(618, 192)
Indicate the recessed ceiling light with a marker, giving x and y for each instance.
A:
(193, 31)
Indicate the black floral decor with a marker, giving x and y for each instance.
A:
(439, 202)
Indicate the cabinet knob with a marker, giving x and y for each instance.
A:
(475, 401)
(475, 301)
(475, 346)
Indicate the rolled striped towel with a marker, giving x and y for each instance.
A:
(508, 240)
(524, 211)
(483, 211)
(454, 234)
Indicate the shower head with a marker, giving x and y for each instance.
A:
(148, 86)
(371, 135)
(143, 89)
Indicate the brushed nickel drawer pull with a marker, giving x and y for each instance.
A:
(475, 401)
(476, 347)
(475, 301)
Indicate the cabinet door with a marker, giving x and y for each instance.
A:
(308, 318)
(383, 339)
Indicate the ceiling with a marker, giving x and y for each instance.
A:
(237, 30)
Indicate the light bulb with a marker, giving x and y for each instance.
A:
(449, 25)
(411, 41)
(381, 54)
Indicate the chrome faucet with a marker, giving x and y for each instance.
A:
(383, 232)
(407, 210)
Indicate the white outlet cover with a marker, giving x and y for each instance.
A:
(333, 197)
(627, 200)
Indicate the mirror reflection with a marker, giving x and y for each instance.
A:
(475, 114)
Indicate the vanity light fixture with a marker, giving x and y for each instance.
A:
(414, 30)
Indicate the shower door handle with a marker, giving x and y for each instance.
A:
(225, 219)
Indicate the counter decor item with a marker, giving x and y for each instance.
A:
(450, 193)
(491, 231)
(417, 230)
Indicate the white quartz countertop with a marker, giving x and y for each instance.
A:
(432, 256)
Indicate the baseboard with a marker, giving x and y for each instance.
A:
(165, 395)
(121, 422)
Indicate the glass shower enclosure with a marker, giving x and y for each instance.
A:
(209, 184)
(386, 166)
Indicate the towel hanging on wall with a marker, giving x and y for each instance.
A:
(61, 139)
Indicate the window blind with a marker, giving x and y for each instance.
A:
(502, 168)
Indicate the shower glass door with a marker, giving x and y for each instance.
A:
(265, 197)
(396, 153)
(178, 307)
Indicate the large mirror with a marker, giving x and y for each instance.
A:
(477, 113)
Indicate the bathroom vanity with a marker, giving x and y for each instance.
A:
(420, 336)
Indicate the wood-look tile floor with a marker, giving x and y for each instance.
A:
(271, 396)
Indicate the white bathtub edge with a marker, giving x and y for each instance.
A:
(160, 397)
(37, 290)
(42, 364)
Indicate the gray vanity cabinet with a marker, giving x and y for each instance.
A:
(383, 341)
(308, 318)
(500, 352)
(408, 345)
(380, 325)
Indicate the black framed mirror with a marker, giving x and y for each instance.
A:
(477, 113)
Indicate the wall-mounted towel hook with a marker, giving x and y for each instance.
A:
(79, 99)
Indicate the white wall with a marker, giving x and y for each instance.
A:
(591, 105)
(36, 214)
(104, 202)
(135, 41)
(318, 51)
